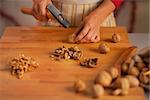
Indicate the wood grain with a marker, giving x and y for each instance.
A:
(53, 80)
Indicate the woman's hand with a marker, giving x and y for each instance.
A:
(91, 24)
(39, 9)
(90, 29)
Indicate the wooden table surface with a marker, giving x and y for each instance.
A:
(54, 80)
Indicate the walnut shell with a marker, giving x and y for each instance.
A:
(113, 72)
(140, 65)
(117, 92)
(125, 92)
(134, 71)
(124, 68)
(143, 78)
(104, 78)
(116, 38)
(98, 91)
(134, 82)
(71, 38)
(103, 48)
(137, 58)
(122, 83)
(79, 86)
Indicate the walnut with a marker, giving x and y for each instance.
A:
(133, 71)
(116, 38)
(123, 84)
(91, 62)
(140, 65)
(98, 91)
(137, 58)
(104, 78)
(145, 79)
(113, 72)
(103, 48)
(79, 86)
(124, 68)
(71, 38)
(134, 82)
(117, 92)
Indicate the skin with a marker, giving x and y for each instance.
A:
(88, 31)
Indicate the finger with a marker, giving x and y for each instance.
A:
(36, 15)
(42, 9)
(35, 9)
(93, 38)
(79, 28)
(83, 33)
(84, 41)
(89, 35)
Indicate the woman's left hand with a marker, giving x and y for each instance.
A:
(89, 30)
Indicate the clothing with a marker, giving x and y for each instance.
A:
(117, 3)
(76, 10)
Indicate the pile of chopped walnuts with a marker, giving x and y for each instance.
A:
(67, 53)
(22, 64)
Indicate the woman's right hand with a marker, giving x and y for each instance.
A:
(39, 9)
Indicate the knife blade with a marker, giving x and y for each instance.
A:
(58, 15)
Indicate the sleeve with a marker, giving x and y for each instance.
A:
(117, 3)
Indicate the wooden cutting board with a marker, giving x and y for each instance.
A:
(54, 80)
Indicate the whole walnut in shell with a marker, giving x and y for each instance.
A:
(103, 48)
(117, 92)
(123, 84)
(143, 78)
(134, 71)
(71, 38)
(113, 72)
(104, 78)
(79, 86)
(98, 91)
(116, 38)
(124, 68)
(134, 82)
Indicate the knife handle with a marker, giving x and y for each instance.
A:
(29, 11)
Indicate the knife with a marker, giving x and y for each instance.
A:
(54, 11)
(58, 15)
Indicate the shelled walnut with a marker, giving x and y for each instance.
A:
(21, 64)
(116, 38)
(103, 48)
(91, 62)
(67, 53)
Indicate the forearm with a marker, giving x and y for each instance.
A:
(105, 9)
